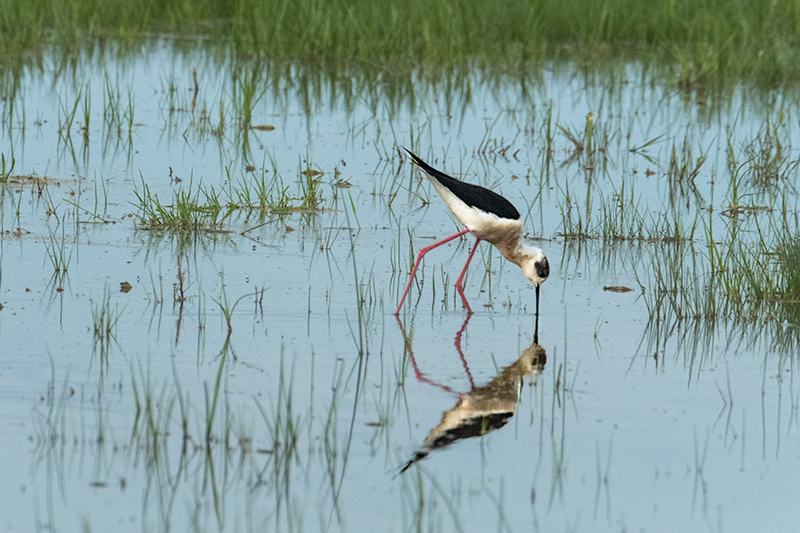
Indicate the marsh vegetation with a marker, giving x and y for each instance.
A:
(206, 224)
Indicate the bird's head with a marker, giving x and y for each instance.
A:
(535, 266)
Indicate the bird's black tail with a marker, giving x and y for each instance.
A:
(472, 195)
(440, 176)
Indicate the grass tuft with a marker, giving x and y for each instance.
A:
(789, 259)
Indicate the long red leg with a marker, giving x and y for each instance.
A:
(460, 280)
(420, 255)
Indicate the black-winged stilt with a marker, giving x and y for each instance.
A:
(489, 217)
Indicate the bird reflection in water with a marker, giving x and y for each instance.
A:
(481, 409)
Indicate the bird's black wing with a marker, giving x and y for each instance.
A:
(472, 195)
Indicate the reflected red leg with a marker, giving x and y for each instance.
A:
(457, 344)
(420, 255)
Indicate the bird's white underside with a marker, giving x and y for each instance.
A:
(485, 226)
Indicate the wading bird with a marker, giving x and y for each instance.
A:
(489, 217)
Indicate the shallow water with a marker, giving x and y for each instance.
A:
(146, 410)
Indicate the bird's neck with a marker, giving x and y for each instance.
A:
(507, 239)
(513, 251)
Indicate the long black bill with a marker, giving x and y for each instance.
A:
(536, 327)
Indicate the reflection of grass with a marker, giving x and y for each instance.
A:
(117, 117)
(57, 251)
(105, 318)
(226, 306)
(67, 114)
(769, 161)
(248, 89)
(282, 423)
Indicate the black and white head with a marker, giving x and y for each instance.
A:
(535, 265)
(536, 268)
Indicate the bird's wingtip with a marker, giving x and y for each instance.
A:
(414, 157)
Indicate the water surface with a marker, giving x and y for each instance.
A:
(150, 410)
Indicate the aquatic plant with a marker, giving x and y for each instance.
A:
(789, 260)
(5, 173)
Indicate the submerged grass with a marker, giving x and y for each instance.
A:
(700, 41)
